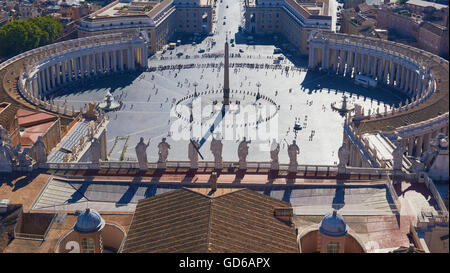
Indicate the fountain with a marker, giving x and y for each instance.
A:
(109, 104)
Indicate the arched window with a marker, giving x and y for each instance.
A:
(87, 245)
(333, 247)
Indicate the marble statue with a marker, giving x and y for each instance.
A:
(343, 154)
(5, 159)
(216, 149)
(95, 151)
(39, 149)
(163, 153)
(90, 111)
(293, 151)
(358, 111)
(22, 158)
(397, 157)
(141, 154)
(4, 135)
(274, 151)
(193, 154)
(242, 153)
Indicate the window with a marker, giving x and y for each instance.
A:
(87, 245)
(333, 247)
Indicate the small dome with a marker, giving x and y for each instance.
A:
(333, 225)
(89, 221)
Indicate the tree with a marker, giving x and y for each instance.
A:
(21, 35)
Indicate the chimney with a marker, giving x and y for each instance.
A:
(214, 181)
(284, 214)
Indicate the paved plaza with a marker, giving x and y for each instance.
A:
(149, 99)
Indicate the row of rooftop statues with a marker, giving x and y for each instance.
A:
(216, 149)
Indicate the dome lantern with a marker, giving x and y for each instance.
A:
(333, 225)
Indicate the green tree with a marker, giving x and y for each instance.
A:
(21, 35)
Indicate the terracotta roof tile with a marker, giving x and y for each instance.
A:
(190, 220)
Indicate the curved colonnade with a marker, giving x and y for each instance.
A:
(49, 68)
(417, 73)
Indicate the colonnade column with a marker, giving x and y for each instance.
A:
(145, 56)
(94, 58)
(40, 82)
(397, 75)
(386, 70)
(348, 68)
(403, 78)
(133, 62)
(58, 73)
(391, 74)
(82, 67)
(410, 146)
(69, 64)
(47, 78)
(310, 57)
(114, 59)
(63, 70)
(52, 75)
(419, 146)
(342, 62)
(374, 67)
(88, 65)
(426, 142)
(325, 58)
(108, 61)
(121, 59)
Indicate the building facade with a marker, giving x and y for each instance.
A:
(159, 20)
(291, 18)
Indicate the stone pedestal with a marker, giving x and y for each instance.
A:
(218, 165)
(242, 165)
(274, 166)
(293, 166)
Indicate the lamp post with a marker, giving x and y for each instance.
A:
(195, 84)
